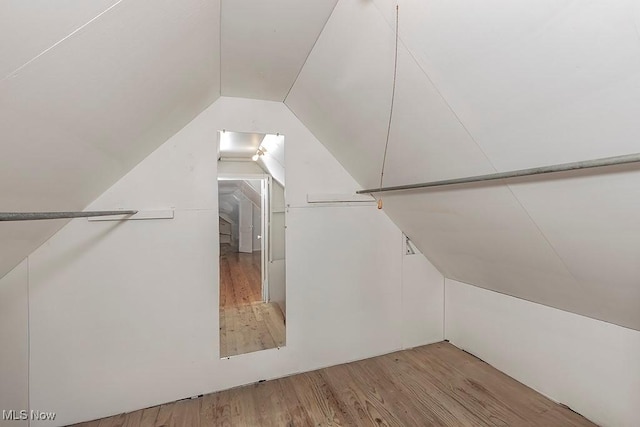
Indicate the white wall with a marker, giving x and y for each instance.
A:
(14, 343)
(277, 268)
(105, 109)
(421, 321)
(589, 365)
(475, 98)
(124, 315)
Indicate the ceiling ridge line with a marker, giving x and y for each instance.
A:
(284, 100)
(44, 52)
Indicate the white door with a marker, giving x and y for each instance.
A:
(245, 226)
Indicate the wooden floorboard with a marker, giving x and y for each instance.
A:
(240, 279)
(249, 328)
(246, 323)
(434, 385)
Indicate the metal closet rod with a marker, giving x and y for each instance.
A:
(586, 164)
(32, 216)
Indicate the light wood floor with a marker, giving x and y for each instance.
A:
(435, 385)
(240, 279)
(251, 327)
(246, 323)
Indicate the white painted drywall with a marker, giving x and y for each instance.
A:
(125, 315)
(591, 366)
(421, 314)
(277, 273)
(481, 89)
(102, 99)
(264, 44)
(28, 29)
(14, 347)
(235, 168)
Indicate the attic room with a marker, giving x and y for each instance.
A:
(319, 213)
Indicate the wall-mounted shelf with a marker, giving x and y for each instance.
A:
(340, 198)
(163, 214)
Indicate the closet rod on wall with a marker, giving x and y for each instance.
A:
(586, 164)
(31, 216)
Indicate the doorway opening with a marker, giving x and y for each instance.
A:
(251, 236)
(243, 238)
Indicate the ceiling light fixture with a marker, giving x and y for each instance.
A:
(259, 153)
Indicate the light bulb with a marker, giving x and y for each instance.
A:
(255, 157)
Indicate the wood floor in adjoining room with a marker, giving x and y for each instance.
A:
(247, 324)
(434, 385)
(240, 279)
(251, 327)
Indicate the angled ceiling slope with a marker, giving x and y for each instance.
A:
(87, 90)
(483, 89)
(265, 44)
(480, 89)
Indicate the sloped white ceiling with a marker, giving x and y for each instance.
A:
(78, 109)
(489, 87)
(29, 28)
(265, 44)
(89, 88)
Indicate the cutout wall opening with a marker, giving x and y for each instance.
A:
(251, 209)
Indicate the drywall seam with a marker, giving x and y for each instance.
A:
(308, 53)
(437, 89)
(468, 132)
(544, 236)
(44, 52)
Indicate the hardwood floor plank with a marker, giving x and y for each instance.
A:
(243, 408)
(419, 385)
(115, 421)
(244, 332)
(297, 410)
(149, 417)
(362, 401)
(133, 419)
(216, 410)
(186, 413)
(523, 400)
(323, 408)
(468, 393)
(393, 394)
(270, 404)
(274, 323)
(435, 385)
(246, 323)
(94, 423)
(558, 416)
(164, 415)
